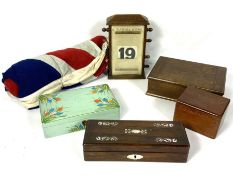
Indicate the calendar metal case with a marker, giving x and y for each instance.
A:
(122, 140)
(66, 111)
(127, 42)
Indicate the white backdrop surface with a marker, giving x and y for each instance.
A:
(199, 31)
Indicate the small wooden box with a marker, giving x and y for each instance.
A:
(156, 141)
(64, 112)
(200, 111)
(169, 78)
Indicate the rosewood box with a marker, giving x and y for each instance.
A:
(64, 112)
(169, 78)
(121, 140)
(200, 111)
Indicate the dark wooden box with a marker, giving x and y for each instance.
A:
(200, 111)
(121, 140)
(169, 78)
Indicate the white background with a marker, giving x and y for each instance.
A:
(196, 31)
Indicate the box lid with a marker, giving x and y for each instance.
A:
(57, 107)
(203, 76)
(127, 19)
(140, 136)
(204, 101)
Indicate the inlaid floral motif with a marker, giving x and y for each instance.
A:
(165, 140)
(163, 125)
(107, 123)
(106, 138)
(135, 131)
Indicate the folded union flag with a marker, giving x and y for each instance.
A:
(47, 73)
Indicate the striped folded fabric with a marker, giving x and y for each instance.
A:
(80, 64)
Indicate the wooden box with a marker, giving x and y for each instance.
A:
(159, 141)
(200, 111)
(169, 78)
(65, 111)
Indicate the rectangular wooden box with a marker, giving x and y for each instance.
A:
(200, 111)
(169, 78)
(122, 140)
(64, 112)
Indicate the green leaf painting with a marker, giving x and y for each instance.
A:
(49, 98)
(77, 127)
(100, 89)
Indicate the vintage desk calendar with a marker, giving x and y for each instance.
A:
(122, 140)
(169, 78)
(127, 42)
(201, 111)
(65, 111)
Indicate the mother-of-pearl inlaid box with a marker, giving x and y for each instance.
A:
(122, 140)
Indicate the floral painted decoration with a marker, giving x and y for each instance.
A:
(51, 114)
(53, 110)
(49, 98)
(99, 89)
(106, 103)
(77, 127)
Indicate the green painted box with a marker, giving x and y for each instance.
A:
(65, 111)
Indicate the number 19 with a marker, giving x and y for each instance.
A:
(127, 53)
